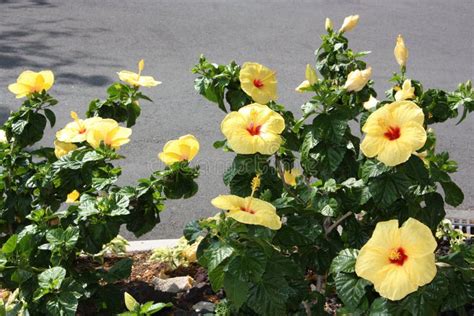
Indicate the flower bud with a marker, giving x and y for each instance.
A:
(328, 24)
(3, 136)
(401, 52)
(357, 79)
(349, 23)
(371, 103)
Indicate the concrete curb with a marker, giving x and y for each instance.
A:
(147, 245)
(466, 216)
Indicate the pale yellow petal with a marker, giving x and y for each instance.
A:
(371, 146)
(228, 202)
(20, 90)
(395, 152)
(406, 111)
(48, 78)
(414, 135)
(396, 284)
(421, 270)
(417, 238)
(386, 235)
(232, 122)
(169, 158)
(371, 264)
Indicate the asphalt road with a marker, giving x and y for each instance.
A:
(86, 42)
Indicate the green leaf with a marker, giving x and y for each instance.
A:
(120, 270)
(192, 231)
(372, 169)
(249, 265)
(350, 288)
(383, 307)
(267, 297)
(216, 277)
(64, 304)
(387, 188)
(52, 278)
(215, 254)
(344, 261)
(453, 194)
(10, 245)
(329, 127)
(236, 289)
(51, 117)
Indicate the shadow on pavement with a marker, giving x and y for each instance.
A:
(33, 43)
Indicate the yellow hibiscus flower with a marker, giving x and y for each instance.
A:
(184, 148)
(73, 196)
(249, 210)
(406, 92)
(394, 132)
(109, 132)
(30, 82)
(76, 132)
(259, 82)
(136, 79)
(253, 128)
(291, 175)
(62, 148)
(398, 260)
(311, 78)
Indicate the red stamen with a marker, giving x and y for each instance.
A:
(254, 129)
(398, 256)
(258, 83)
(392, 133)
(82, 131)
(243, 209)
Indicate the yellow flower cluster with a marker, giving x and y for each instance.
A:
(94, 131)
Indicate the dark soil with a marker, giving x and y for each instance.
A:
(140, 286)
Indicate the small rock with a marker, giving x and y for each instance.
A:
(204, 307)
(173, 285)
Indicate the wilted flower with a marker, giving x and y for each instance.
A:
(398, 260)
(349, 23)
(401, 51)
(73, 196)
(62, 148)
(311, 78)
(291, 175)
(394, 132)
(249, 210)
(136, 79)
(259, 82)
(254, 128)
(30, 82)
(357, 79)
(76, 132)
(328, 25)
(109, 132)
(184, 148)
(371, 103)
(406, 92)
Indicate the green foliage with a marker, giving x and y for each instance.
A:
(336, 203)
(146, 309)
(43, 238)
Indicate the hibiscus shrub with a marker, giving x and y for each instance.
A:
(314, 211)
(60, 206)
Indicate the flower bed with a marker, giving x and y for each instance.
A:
(317, 221)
